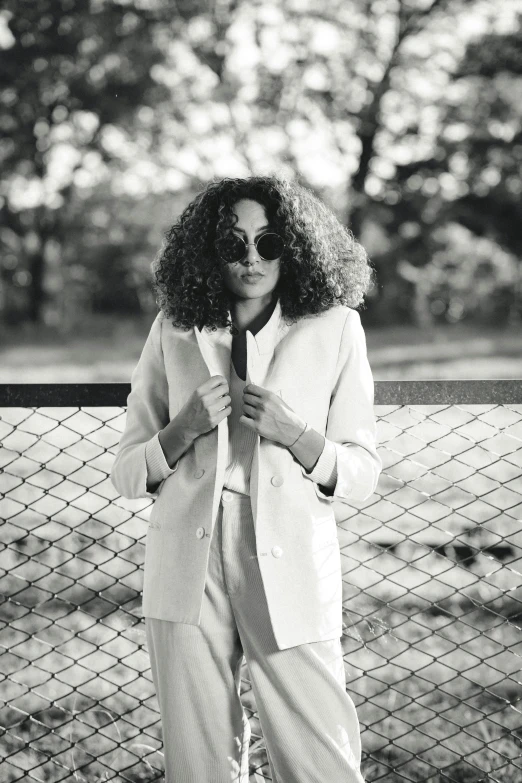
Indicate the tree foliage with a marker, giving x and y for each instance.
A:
(403, 114)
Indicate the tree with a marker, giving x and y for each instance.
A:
(353, 99)
(73, 69)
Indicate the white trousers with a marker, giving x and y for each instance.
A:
(309, 722)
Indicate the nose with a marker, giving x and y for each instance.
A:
(252, 256)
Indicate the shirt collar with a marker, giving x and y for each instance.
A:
(265, 339)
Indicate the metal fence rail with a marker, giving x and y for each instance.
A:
(432, 567)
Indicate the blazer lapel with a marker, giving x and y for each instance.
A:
(216, 350)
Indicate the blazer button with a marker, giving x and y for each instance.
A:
(200, 532)
(277, 481)
(198, 473)
(277, 551)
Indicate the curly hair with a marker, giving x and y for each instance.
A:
(322, 264)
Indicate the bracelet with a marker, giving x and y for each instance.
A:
(306, 427)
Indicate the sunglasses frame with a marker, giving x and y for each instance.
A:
(247, 245)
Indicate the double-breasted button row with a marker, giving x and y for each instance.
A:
(199, 473)
(277, 481)
(200, 532)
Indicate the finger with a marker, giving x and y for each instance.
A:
(218, 393)
(251, 388)
(248, 422)
(215, 381)
(250, 409)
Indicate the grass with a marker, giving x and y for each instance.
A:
(107, 727)
(106, 349)
(436, 684)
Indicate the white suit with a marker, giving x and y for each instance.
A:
(228, 574)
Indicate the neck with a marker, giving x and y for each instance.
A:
(253, 314)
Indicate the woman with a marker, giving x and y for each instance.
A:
(251, 410)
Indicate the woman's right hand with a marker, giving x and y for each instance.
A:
(209, 404)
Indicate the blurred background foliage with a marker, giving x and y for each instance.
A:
(404, 115)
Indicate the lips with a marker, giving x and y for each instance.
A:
(253, 276)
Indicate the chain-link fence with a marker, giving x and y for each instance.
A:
(432, 567)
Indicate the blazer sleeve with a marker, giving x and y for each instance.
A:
(325, 470)
(351, 425)
(138, 465)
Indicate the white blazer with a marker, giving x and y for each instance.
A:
(319, 366)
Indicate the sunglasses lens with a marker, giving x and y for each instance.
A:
(232, 249)
(270, 247)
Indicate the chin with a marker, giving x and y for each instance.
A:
(262, 288)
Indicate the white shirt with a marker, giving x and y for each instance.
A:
(242, 438)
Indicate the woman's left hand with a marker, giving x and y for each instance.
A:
(267, 414)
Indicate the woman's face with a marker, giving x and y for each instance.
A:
(251, 224)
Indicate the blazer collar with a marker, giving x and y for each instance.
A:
(264, 341)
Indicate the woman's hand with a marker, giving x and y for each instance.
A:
(267, 414)
(206, 407)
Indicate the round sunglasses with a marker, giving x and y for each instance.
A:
(234, 248)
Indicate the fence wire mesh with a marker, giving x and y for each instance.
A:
(432, 567)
